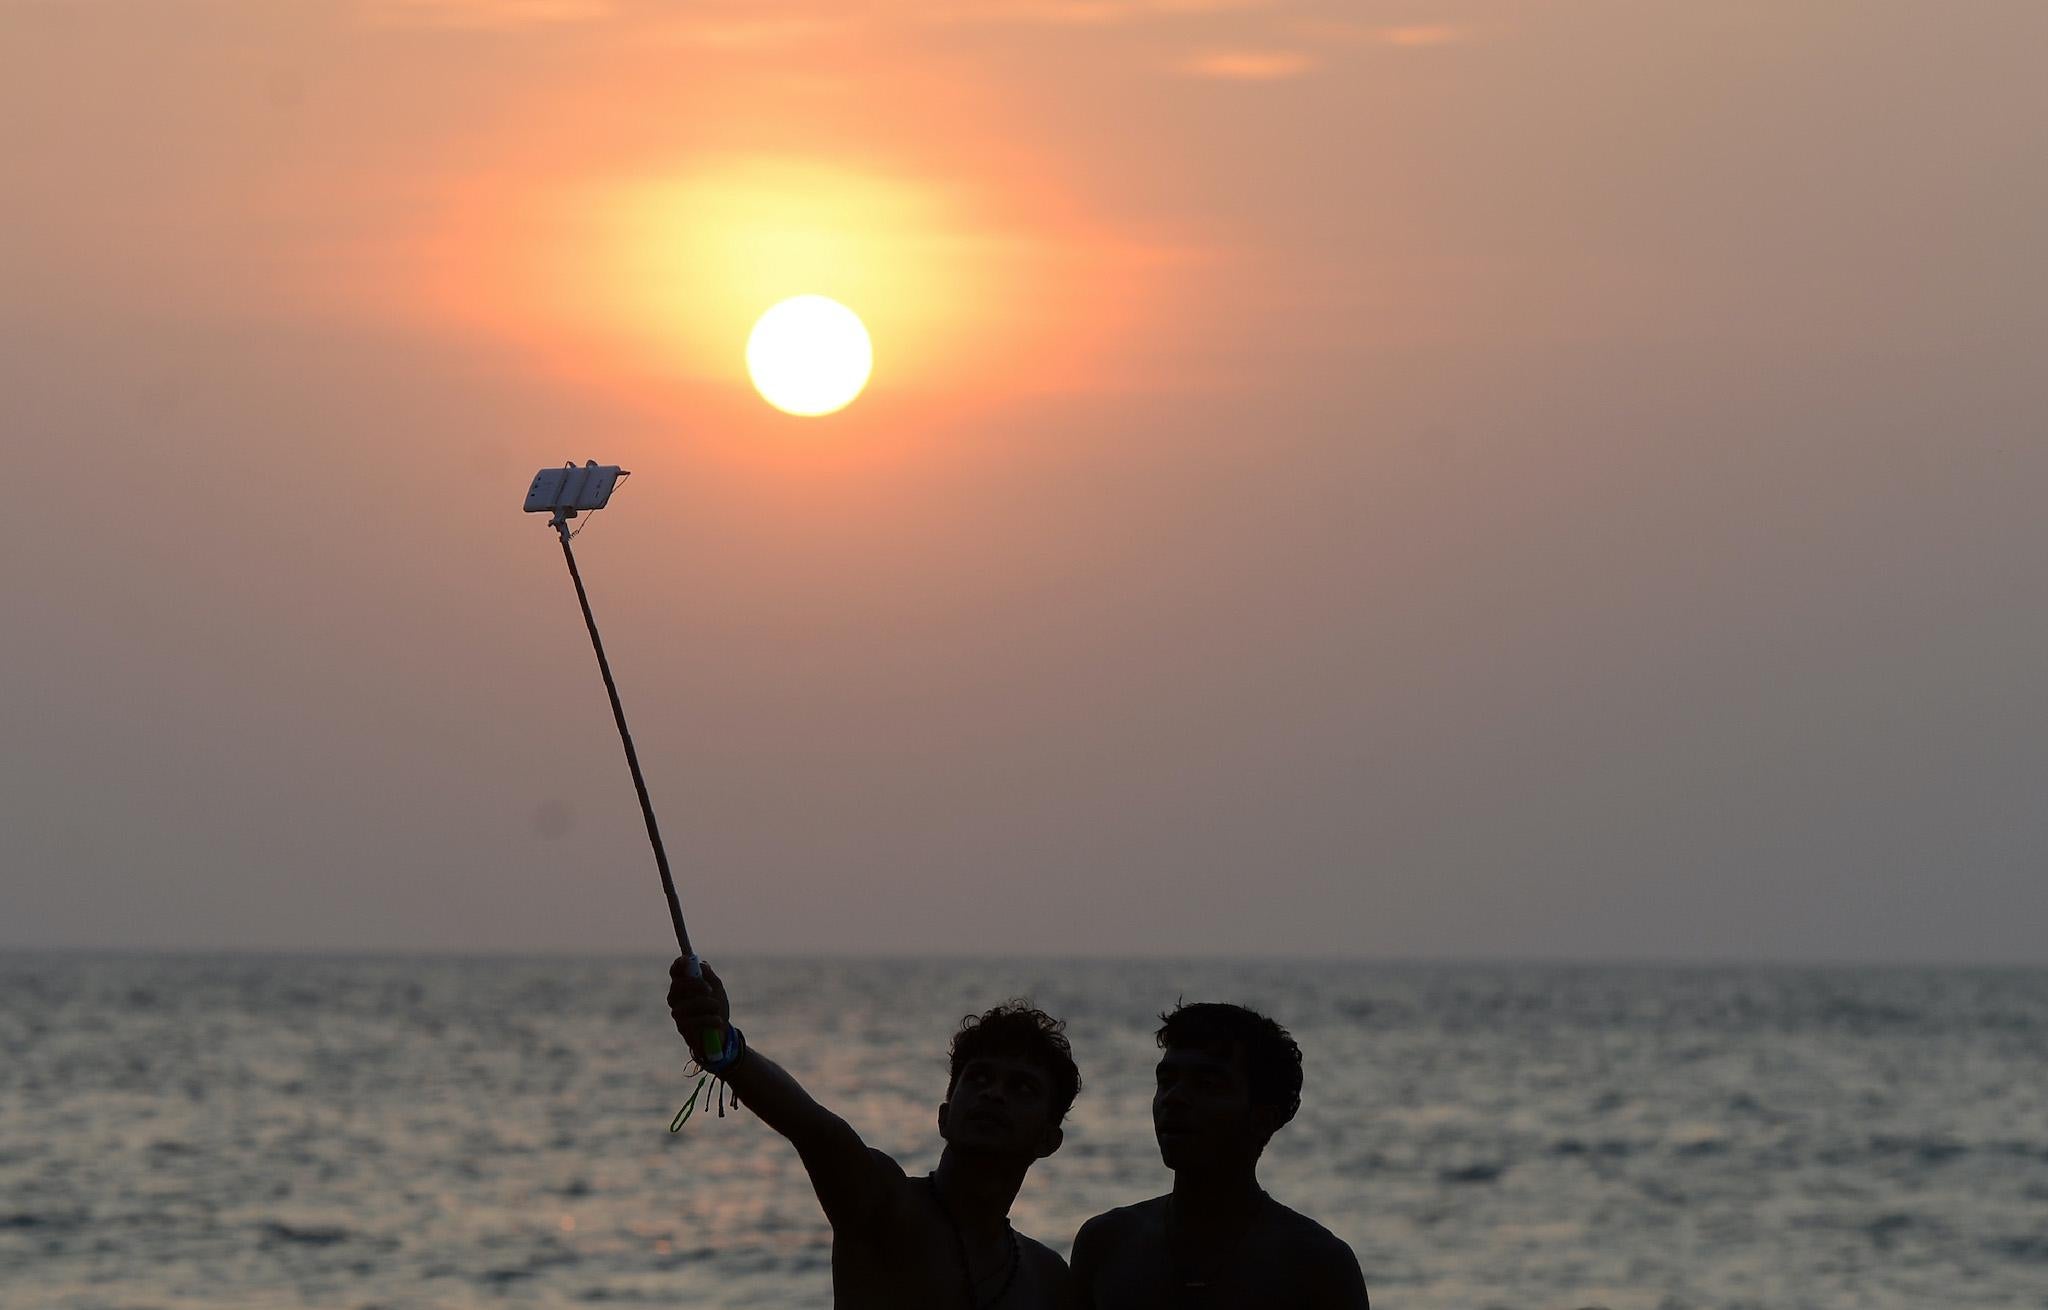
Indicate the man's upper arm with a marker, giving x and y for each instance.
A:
(1051, 1272)
(1343, 1282)
(1089, 1245)
(855, 1183)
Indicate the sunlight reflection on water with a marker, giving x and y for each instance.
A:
(245, 1131)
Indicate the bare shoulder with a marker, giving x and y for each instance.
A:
(1312, 1240)
(1043, 1259)
(1304, 1229)
(888, 1196)
(1107, 1239)
(1044, 1279)
(1108, 1249)
(1112, 1225)
(894, 1184)
(1325, 1261)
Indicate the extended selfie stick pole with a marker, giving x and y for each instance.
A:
(564, 493)
(560, 523)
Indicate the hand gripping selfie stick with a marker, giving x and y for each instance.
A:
(563, 493)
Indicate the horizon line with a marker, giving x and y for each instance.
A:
(1142, 957)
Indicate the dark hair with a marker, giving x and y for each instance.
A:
(1021, 1029)
(1272, 1061)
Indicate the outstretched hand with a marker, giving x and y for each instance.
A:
(698, 1005)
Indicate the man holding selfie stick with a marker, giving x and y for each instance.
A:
(941, 1240)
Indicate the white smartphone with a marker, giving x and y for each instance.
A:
(569, 490)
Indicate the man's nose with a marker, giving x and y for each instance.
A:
(1170, 1094)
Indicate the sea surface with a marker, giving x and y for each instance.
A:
(275, 1131)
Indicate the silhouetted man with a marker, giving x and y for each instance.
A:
(944, 1241)
(1228, 1079)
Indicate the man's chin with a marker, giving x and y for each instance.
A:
(978, 1141)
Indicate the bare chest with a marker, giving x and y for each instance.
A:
(917, 1265)
(1145, 1273)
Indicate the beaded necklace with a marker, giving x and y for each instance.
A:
(1016, 1256)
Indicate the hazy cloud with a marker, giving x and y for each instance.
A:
(1248, 65)
(756, 33)
(1088, 13)
(485, 14)
(1058, 13)
(1408, 36)
(1425, 34)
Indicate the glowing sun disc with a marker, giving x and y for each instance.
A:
(809, 355)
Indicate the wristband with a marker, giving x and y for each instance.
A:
(735, 1047)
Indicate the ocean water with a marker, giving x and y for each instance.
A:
(244, 1131)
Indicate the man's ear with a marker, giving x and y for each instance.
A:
(1268, 1119)
(944, 1106)
(1050, 1142)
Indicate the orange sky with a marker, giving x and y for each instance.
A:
(1437, 477)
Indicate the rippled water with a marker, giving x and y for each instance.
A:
(277, 1131)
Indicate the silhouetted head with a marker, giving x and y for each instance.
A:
(1228, 1079)
(1012, 1080)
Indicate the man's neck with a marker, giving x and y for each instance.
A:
(978, 1189)
(1223, 1195)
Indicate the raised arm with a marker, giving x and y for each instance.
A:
(853, 1183)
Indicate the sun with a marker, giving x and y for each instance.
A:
(809, 356)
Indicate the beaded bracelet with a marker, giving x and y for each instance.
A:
(735, 1047)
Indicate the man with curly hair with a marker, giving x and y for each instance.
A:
(942, 1241)
(1228, 1079)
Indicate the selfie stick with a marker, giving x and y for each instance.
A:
(564, 493)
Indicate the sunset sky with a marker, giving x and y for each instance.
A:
(1447, 478)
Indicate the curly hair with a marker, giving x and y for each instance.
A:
(1018, 1028)
(1272, 1060)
